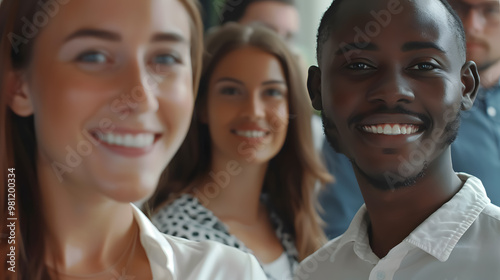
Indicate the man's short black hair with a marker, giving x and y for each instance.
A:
(234, 10)
(328, 20)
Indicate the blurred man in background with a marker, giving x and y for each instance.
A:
(279, 15)
(477, 148)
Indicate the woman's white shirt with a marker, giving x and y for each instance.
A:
(173, 258)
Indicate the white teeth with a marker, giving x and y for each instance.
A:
(387, 129)
(128, 140)
(396, 129)
(250, 133)
(403, 130)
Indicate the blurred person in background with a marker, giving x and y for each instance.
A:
(279, 15)
(477, 148)
(245, 175)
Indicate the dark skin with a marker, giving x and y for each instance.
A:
(412, 74)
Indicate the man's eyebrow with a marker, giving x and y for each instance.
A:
(96, 33)
(412, 46)
(356, 46)
(169, 37)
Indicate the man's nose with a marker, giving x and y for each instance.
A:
(391, 89)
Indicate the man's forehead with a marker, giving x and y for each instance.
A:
(394, 22)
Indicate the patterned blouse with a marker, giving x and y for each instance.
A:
(187, 218)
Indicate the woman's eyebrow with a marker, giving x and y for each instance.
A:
(115, 37)
(169, 37)
(95, 33)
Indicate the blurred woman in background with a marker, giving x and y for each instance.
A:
(246, 172)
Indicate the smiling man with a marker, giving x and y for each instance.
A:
(392, 82)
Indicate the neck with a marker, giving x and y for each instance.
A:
(232, 189)
(86, 232)
(490, 75)
(395, 214)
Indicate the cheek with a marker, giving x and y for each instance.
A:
(176, 103)
(63, 110)
(339, 102)
(221, 113)
(279, 117)
(444, 106)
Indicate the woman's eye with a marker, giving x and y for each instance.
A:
(230, 91)
(92, 57)
(359, 66)
(273, 92)
(424, 66)
(165, 59)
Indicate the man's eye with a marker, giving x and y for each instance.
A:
(423, 67)
(359, 66)
(92, 57)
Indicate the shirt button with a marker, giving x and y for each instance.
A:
(492, 112)
(380, 275)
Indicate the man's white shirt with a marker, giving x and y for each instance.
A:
(460, 241)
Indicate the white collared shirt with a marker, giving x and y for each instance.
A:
(173, 258)
(460, 241)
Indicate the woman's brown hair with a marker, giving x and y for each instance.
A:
(17, 135)
(292, 174)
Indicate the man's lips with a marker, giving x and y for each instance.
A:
(391, 124)
(392, 129)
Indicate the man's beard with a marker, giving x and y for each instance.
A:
(387, 182)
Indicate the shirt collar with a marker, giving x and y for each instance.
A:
(158, 249)
(357, 233)
(438, 234)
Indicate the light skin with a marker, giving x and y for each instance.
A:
(481, 20)
(281, 17)
(411, 75)
(247, 107)
(91, 55)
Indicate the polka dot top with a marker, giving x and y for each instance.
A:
(187, 218)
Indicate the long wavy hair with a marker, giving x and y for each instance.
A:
(291, 175)
(18, 142)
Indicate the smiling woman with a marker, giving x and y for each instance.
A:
(96, 98)
(246, 174)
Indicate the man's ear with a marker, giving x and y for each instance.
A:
(18, 96)
(314, 87)
(470, 84)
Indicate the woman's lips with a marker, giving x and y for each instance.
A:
(127, 144)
